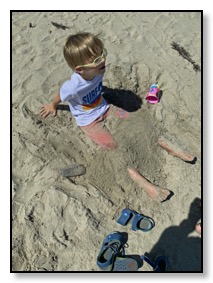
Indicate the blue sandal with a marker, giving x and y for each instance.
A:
(125, 264)
(125, 217)
(139, 221)
(113, 245)
(142, 222)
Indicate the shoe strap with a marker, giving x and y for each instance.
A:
(115, 248)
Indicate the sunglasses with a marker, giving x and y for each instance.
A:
(97, 60)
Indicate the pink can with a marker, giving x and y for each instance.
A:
(152, 94)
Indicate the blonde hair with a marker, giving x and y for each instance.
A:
(80, 48)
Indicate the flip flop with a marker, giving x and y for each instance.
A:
(126, 215)
(142, 222)
(112, 246)
(125, 264)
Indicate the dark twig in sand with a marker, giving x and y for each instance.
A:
(31, 25)
(185, 55)
(59, 25)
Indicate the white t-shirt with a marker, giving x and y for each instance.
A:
(84, 97)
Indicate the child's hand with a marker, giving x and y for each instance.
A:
(48, 109)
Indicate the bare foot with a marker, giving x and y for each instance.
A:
(172, 150)
(156, 193)
(198, 228)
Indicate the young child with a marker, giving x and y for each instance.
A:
(86, 56)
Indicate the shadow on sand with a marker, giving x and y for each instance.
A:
(182, 250)
(125, 99)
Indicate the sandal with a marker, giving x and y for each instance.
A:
(142, 222)
(125, 264)
(125, 217)
(139, 221)
(113, 245)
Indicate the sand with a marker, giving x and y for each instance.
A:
(59, 223)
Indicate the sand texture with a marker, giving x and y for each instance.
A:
(59, 222)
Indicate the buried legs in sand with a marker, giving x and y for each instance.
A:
(156, 193)
(174, 151)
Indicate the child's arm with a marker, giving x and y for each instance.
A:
(50, 108)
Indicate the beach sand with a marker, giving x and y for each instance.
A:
(59, 223)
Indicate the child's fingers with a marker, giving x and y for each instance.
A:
(54, 113)
(44, 113)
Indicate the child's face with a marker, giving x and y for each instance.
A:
(95, 66)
